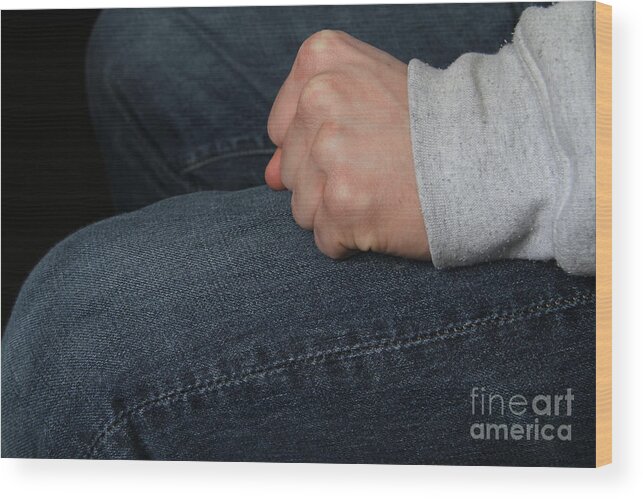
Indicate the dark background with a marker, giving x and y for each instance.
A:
(53, 178)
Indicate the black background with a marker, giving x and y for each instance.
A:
(53, 178)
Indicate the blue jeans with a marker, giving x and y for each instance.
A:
(207, 326)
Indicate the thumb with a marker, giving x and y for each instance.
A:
(273, 172)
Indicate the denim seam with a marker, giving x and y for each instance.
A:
(338, 354)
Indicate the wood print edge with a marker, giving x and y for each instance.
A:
(603, 20)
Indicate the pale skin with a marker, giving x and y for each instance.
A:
(341, 126)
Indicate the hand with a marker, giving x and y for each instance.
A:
(341, 126)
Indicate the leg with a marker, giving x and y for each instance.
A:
(190, 330)
(181, 97)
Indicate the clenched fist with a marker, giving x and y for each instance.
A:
(341, 126)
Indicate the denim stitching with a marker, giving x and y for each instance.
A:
(338, 354)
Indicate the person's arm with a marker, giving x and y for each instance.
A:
(504, 148)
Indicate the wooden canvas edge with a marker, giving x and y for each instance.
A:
(603, 20)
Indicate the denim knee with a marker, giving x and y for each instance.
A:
(55, 363)
(77, 349)
(118, 312)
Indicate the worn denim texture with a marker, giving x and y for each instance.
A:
(207, 326)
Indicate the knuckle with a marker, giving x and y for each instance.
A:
(319, 95)
(315, 50)
(326, 150)
(320, 43)
(347, 199)
(339, 196)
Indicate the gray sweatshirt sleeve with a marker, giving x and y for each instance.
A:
(504, 145)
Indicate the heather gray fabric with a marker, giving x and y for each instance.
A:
(504, 145)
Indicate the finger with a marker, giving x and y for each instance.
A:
(322, 52)
(273, 172)
(296, 149)
(283, 110)
(307, 197)
(329, 238)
